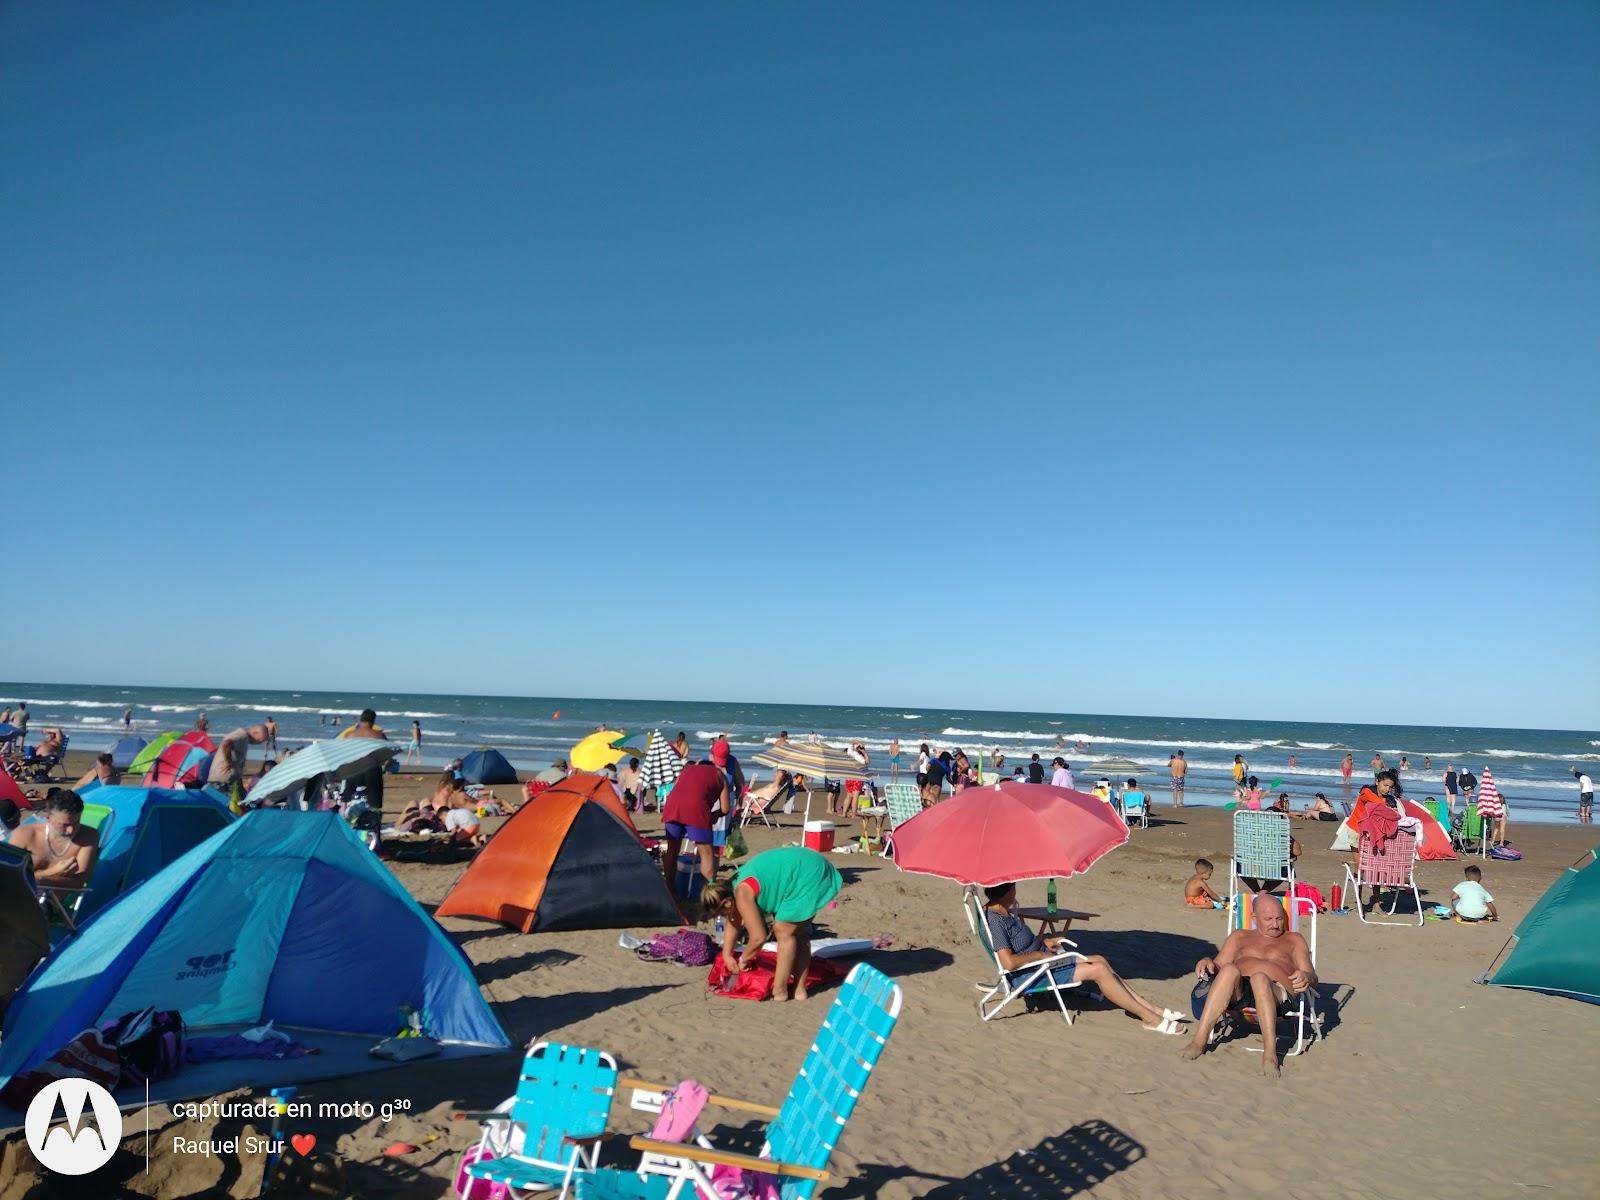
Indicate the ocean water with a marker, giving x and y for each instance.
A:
(1533, 767)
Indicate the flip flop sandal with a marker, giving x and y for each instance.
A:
(1168, 1026)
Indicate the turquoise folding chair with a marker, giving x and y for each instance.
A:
(556, 1122)
(802, 1133)
(1136, 808)
(1261, 850)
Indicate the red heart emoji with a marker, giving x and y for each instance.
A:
(303, 1143)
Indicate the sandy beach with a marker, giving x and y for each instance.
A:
(1460, 1085)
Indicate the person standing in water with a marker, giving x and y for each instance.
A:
(414, 746)
(1179, 766)
(1347, 768)
(894, 759)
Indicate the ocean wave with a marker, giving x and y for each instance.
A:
(48, 703)
(174, 708)
(911, 716)
(216, 697)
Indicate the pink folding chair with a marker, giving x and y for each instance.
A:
(1387, 864)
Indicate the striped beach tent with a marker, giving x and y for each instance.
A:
(1490, 802)
(662, 766)
(814, 760)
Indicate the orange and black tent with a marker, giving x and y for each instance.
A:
(569, 859)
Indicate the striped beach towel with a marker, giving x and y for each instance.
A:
(1490, 803)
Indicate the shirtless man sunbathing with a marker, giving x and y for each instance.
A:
(1274, 963)
(64, 849)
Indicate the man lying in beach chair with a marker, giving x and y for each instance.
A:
(758, 800)
(1030, 965)
(1270, 962)
(39, 764)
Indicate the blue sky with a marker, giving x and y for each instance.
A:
(1170, 360)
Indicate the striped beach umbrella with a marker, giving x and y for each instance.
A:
(814, 760)
(1490, 802)
(330, 759)
(662, 766)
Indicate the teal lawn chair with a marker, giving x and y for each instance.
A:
(1136, 808)
(802, 1133)
(1262, 852)
(556, 1122)
(903, 801)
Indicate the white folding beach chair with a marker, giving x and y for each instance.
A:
(1389, 864)
(904, 801)
(1261, 850)
(1034, 979)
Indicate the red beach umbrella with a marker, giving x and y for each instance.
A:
(179, 765)
(198, 737)
(1011, 831)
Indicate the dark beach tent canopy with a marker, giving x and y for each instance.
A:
(142, 830)
(1555, 948)
(126, 750)
(24, 935)
(487, 766)
(282, 916)
(569, 859)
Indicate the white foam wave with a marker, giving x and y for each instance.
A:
(1102, 740)
(216, 697)
(174, 708)
(1319, 745)
(47, 703)
(911, 716)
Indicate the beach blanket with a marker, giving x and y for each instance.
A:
(755, 981)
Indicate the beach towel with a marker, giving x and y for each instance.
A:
(1380, 822)
(755, 981)
(1310, 893)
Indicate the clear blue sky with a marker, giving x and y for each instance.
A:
(1161, 359)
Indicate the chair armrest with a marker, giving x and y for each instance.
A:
(588, 1139)
(480, 1116)
(762, 1110)
(747, 1161)
(1040, 963)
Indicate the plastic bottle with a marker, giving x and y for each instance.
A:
(722, 928)
(1050, 897)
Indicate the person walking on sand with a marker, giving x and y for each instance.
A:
(414, 746)
(1347, 768)
(783, 889)
(1179, 766)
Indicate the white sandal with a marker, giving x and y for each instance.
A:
(1168, 1026)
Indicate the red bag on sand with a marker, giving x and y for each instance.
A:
(1312, 894)
(755, 981)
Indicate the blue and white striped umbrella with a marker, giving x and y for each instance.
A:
(335, 758)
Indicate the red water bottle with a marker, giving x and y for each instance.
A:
(1337, 892)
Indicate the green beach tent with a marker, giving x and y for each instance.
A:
(146, 758)
(1555, 948)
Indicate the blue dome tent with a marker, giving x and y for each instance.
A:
(487, 766)
(142, 830)
(282, 916)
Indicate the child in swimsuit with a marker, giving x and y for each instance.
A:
(1197, 892)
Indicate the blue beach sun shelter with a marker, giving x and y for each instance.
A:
(143, 830)
(281, 916)
(487, 766)
(125, 750)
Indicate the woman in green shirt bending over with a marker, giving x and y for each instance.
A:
(784, 888)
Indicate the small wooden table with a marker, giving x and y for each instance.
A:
(1052, 923)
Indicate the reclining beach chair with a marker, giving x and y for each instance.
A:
(1032, 980)
(555, 1125)
(1136, 808)
(754, 807)
(802, 1133)
(904, 801)
(1261, 851)
(1467, 833)
(1307, 1020)
(1388, 864)
(41, 768)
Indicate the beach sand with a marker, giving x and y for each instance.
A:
(1425, 1084)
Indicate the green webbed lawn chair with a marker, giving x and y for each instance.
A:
(560, 1111)
(802, 1134)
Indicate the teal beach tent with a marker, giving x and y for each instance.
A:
(1556, 949)
(283, 917)
(141, 831)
